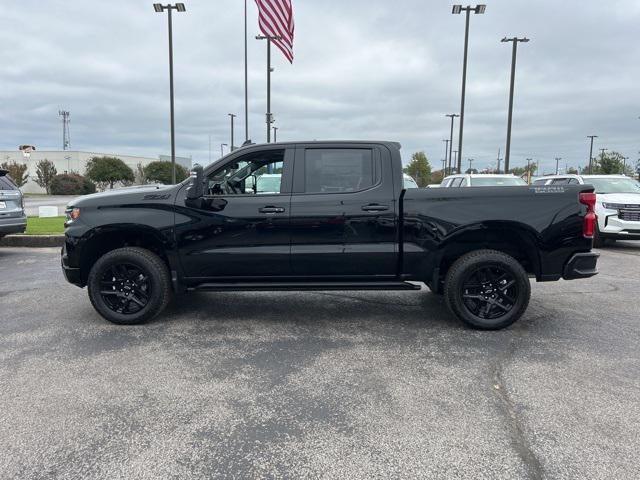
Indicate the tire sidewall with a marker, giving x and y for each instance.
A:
(95, 277)
(509, 264)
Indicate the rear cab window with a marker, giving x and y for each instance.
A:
(340, 170)
(7, 184)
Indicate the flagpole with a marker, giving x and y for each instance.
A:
(246, 79)
(268, 89)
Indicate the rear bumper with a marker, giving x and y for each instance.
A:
(581, 265)
(13, 225)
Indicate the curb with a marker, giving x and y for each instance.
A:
(37, 241)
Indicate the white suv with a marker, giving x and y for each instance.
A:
(617, 204)
(482, 180)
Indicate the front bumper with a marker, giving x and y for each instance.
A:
(71, 274)
(581, 265)
(616, 228)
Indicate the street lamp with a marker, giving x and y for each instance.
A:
(446, 149)
(514, 51)
(471, 160)
(275, 134)
(232, 116)
(457, 9)
(159, 8)
(591, 151)
(452, 116)
(222, 149)
(558, 164)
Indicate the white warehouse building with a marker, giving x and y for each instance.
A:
(76, 161)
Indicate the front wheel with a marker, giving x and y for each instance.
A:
(487, 289)
(129, 286)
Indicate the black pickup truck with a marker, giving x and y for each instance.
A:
(325, 216)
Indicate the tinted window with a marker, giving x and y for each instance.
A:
(338, 170)
(540, 181)
(573, 181)
(560, 181)
(6, 184)
(457, 182)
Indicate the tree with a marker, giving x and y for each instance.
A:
(471, 171)
(45, 171)
(160, 172)
(521, 171)
(419, 169)
(71, 184)
(141, 177)
(108, 171)
(17, 172)
(609, 163)
(572, 171)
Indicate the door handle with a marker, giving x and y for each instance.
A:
(271, 209)
(374, 207)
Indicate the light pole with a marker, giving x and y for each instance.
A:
(471, 160)
(457, 9)
(455, 157)
(624, 165)
(222, 149)
(275, 134)
(529, 170)
(446, 149)
(514, 51)
(246, 79)
(269, 116)
(452, 116)
(232, 116)
(499, 160)
(159, 8)
(591, 151)
(558, 164)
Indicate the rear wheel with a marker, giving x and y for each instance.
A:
(129, 285)
(487, 289)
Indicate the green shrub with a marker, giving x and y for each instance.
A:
(71, 184)
(160, 172)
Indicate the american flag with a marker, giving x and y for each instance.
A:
(276, 20)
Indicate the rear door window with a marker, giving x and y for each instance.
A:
(457, 182)
(339, 170)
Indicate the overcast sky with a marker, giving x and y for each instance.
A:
(363, 70)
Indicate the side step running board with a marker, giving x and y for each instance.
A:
(302, 286)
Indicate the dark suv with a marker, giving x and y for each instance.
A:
(12, 217)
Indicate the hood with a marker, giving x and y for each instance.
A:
(125, 195)
(626, 198)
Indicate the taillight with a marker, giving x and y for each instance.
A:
(589, 225)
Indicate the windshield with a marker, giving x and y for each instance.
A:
(409, 182)
(496, 181)
(614, 185)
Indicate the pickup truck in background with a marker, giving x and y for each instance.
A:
(339, 218)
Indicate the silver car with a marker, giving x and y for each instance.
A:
(12, 217)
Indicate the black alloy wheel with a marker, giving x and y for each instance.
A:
(129, 285)
(125, 288)
(487, 289)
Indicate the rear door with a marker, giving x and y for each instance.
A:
(10, 198)
(343, 211)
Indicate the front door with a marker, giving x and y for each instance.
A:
(343, 212)
(241, 226)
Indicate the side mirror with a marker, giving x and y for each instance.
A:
(196, 183)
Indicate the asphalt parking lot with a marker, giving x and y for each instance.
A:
(319, 385)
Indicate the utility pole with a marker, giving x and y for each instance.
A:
(269, 115)
(499, 160)
(222, 149)
(515, 40)
(66, 140)
(558, 164)
(446, 149)
(457, 9)
(455, 157)
(452, 116)
(624, 165)
(471, 160)
(275, 134)
(591, 151)
(529, 171)
(232, 116)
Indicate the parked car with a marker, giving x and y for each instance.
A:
(12, 217)
(617, 205)
(481, 180)
(341, 220)
(409, 182)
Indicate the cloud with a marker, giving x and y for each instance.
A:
(381, 70)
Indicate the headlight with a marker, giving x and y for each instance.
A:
(612, 206)
(72, 214)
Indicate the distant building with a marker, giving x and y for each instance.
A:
(67, 161)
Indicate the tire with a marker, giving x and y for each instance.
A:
(129, 286)
(487, 289)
